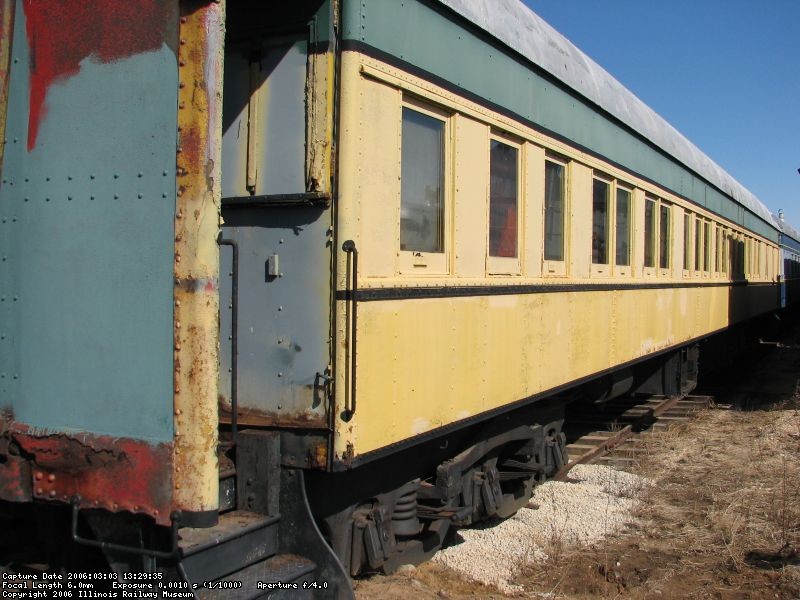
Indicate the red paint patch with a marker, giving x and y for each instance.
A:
(62, 33)
(117, 474)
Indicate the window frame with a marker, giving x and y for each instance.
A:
(623, 270)
(688, 245)
(413, 262)
(665, 271)
(603, 269)
(506, 265)
(650, 270)
(552, 267)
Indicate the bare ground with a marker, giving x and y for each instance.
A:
(722, 520)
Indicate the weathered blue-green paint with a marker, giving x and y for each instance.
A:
(87, 248)
(435, 42)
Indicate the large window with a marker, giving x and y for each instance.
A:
(600, 195)
(698, 245)
(422, 183)
(649, 232)
(503, 191)
(623, 227)
(554, 210)
(687, 241)
(664, 226)
(707, 244)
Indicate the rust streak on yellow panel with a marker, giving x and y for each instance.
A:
(196, 270)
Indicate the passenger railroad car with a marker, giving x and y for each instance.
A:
(289, 289)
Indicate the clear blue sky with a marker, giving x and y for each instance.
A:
(725, 73)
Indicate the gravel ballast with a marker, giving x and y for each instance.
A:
(596, 501)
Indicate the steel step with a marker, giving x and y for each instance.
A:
(283, 571)
(240, 539)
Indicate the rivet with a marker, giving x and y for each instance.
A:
(179, 150)
(177, 302)
(115, 506)
(15, 376)
(47, 199)
(27, 199)
(69, 177)
(39, 475)
(183, 41)
(97, 502)
(47, 179)
(116, 176)
(280, 308)
(177, 258)
(155, 512)
(51, 478)
(280, 375)
(39, 491)
(164, 195)
(91, 197)
(182, 105)
(179, 215)
(52, 493)
(280, 406)
(164, 173)
(280, 241)
(140, 196)
(91, 176)
(140, 174)
(183, 19)
(69, 198)
(182, 63)
(177, 390)
(116, 196)
(177, 346)
(136, 507)
(177, 324)
(27, 180)
(181, 85)
(177, 485)
(177, 412)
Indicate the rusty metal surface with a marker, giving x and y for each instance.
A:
(116, 474)
(6, 35)
(196, 267)
(260, 418)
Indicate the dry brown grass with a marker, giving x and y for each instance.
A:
(722, 521)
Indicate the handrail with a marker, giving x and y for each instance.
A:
(350, 248)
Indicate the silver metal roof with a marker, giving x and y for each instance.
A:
(514, 24)
(787, 229)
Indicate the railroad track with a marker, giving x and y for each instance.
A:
(613, 435)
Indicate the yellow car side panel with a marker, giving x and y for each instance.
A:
(424, 363)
